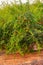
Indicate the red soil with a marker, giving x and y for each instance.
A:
(17, 59)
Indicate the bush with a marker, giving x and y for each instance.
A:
(19, 28)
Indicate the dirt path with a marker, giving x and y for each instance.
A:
(28, 59)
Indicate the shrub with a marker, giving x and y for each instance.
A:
(19, 29)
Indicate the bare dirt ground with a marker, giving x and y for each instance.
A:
(28, 59)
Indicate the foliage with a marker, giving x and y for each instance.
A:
(20, 27)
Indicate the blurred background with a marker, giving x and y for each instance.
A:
(17, 1)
